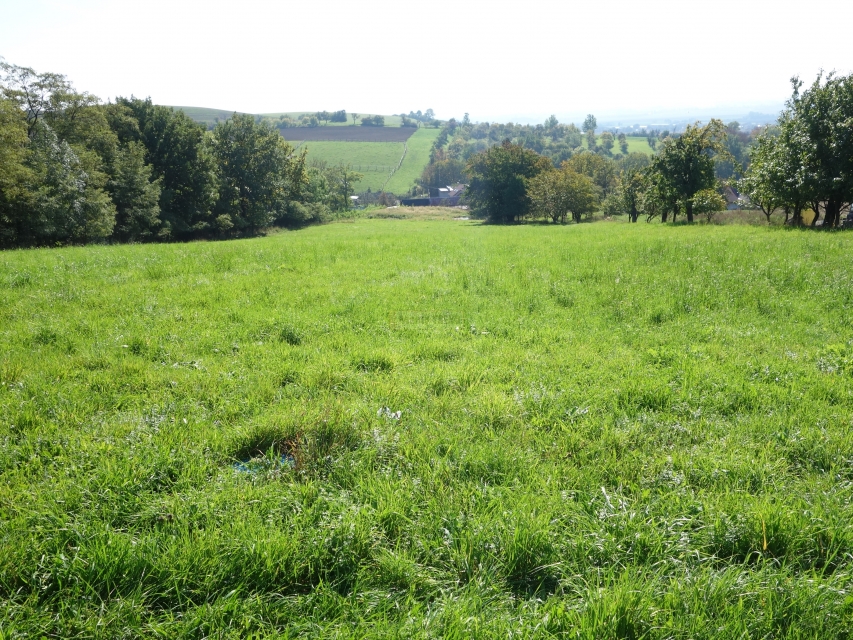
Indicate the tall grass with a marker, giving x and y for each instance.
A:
(605, 430)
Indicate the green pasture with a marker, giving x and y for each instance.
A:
(639, 145)
(417, 158)
(430, 429)
(375, 160)
(206, 115)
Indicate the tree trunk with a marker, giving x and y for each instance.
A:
(797, 219)
(832, 213)
(816, 209)
(664, 215)
(689, 207)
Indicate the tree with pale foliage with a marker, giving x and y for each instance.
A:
(562, 193)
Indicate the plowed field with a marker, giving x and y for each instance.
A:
(349, 134)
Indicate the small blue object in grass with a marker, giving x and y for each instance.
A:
(258, 465)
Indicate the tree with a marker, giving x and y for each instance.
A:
(822, 118)
(763, 181)
(708, 203)
(442, 173)
(135, 195)
(623, 143)
(497, 188)
(342, 181)
(69, 204)
(257, 175)
(176, 148)
(630, 193)
(43, 95)
(601, 170)
(607, 143)
(589, 124)
(355, 118)
(559, 193)
(685, 165)
(15, 173)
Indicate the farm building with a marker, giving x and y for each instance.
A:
(446, 196)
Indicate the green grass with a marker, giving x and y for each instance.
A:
(639, 145)
(417, 158)
(206, 115)
(375, 160)
(607, 431)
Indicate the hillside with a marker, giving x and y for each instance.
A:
(375, 152)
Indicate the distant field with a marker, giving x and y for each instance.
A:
(634, 145)
(376, 160)
(209, 116)
(390, 121)
(206, 115)
(350, 133)
(417, 157)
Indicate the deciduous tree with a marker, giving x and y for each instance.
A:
(497, 188)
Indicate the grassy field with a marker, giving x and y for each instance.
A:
(639, 145)
(417, 158)
(376, 160)
(430, 429)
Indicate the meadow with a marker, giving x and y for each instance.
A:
(430, 429)
(374, 160)
(635, 145)
(416, 160)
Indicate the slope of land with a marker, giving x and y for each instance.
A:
(430, 429)
(417, 158)
(206, 115)
(375, 160)
(210, 116)
(350, 134)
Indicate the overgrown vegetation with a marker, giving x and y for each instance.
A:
(430, 429)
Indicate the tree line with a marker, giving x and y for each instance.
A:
(804, 162)
(76, 170)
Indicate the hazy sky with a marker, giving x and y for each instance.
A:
(496, 60)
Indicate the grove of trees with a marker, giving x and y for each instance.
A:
(806, 162)
(803, 162)
(76, 170)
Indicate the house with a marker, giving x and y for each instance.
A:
(446, 196)
(734, 199)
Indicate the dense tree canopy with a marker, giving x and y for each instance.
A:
(685, 165)
(497, 188)
(807, 162)
(74, 170)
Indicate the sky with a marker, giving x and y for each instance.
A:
(497, 60)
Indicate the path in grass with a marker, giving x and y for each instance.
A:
(605, 430)
(417, 158)
(374, 160)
